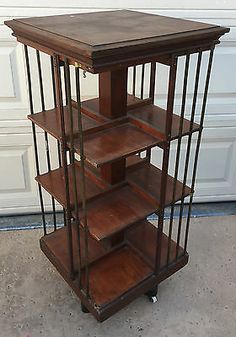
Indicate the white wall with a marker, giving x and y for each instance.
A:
(217, 169)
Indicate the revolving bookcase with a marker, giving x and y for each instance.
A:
(105, 179)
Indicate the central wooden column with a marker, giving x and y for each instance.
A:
(113, 104)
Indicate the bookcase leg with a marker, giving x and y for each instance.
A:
(84, 309)
(152, 294)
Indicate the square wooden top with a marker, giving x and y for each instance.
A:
(94, 38)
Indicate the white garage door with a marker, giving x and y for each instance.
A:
(217, 167)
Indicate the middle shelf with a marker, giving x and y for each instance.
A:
(106, 141)
(110, 209)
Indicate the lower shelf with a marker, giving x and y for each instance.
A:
(115, 274)
(148, 177)
(119, 276)
(54, 245)
(143, 237)
(54, 183)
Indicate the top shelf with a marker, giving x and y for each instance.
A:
(133, 36)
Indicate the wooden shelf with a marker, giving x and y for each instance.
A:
(55, 245)
(54, 183)
(122, 246)
(115, 143)
(105, 142)
(92, 105)
(109, 210)
(152, 118)
(148, 177)
(49, 121)
(123, 268)
(101, 47)
(129, 266)
(116, 210)
(143, 237)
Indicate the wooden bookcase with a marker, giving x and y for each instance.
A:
(107, 251)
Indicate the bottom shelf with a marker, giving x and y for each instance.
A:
(115, 277)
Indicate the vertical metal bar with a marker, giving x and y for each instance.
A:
(148, 154)
(42, 98)
(73, 161)
(142, 80)
(197, 77)
(165, 160)
(77, 83)
(152, 82)
(134, 80)
(83, 187)
(152, 96)
(58, 143)
(34, 136)
(198, 144)
(177, 158)
(65, 82)
(55, 104)
(59, 100)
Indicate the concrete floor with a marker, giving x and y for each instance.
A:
(198, 301)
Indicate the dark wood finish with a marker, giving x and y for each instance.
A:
(116, 273)
(50, 121)
(114, 172)
(107, 43)
(148, 177)
(53, 182)
(143, 237)
(127, 35)
(115, 143)
(113, 93)
(92, 105)
(56, 246)
(113, 104)
(126, 264)
(152, 119)
(129, 161)
(133, 160)
(116, 210)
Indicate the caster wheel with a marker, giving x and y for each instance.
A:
(153, 299)
(84, 309)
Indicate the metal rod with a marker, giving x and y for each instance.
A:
(78, 226)
(152, 82)
(73, 161)
(149, 154)
(198, 144)
(34, 136)
(58, 143)
(57, 75)
(65, 82)
(134, 79)
(42, 98)
(142, 81)
(165, 160)
(177, 158)
(55, 104)
(151, 95)
(187, 158)
(83, 187)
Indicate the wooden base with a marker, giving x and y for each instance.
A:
(117, 276)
